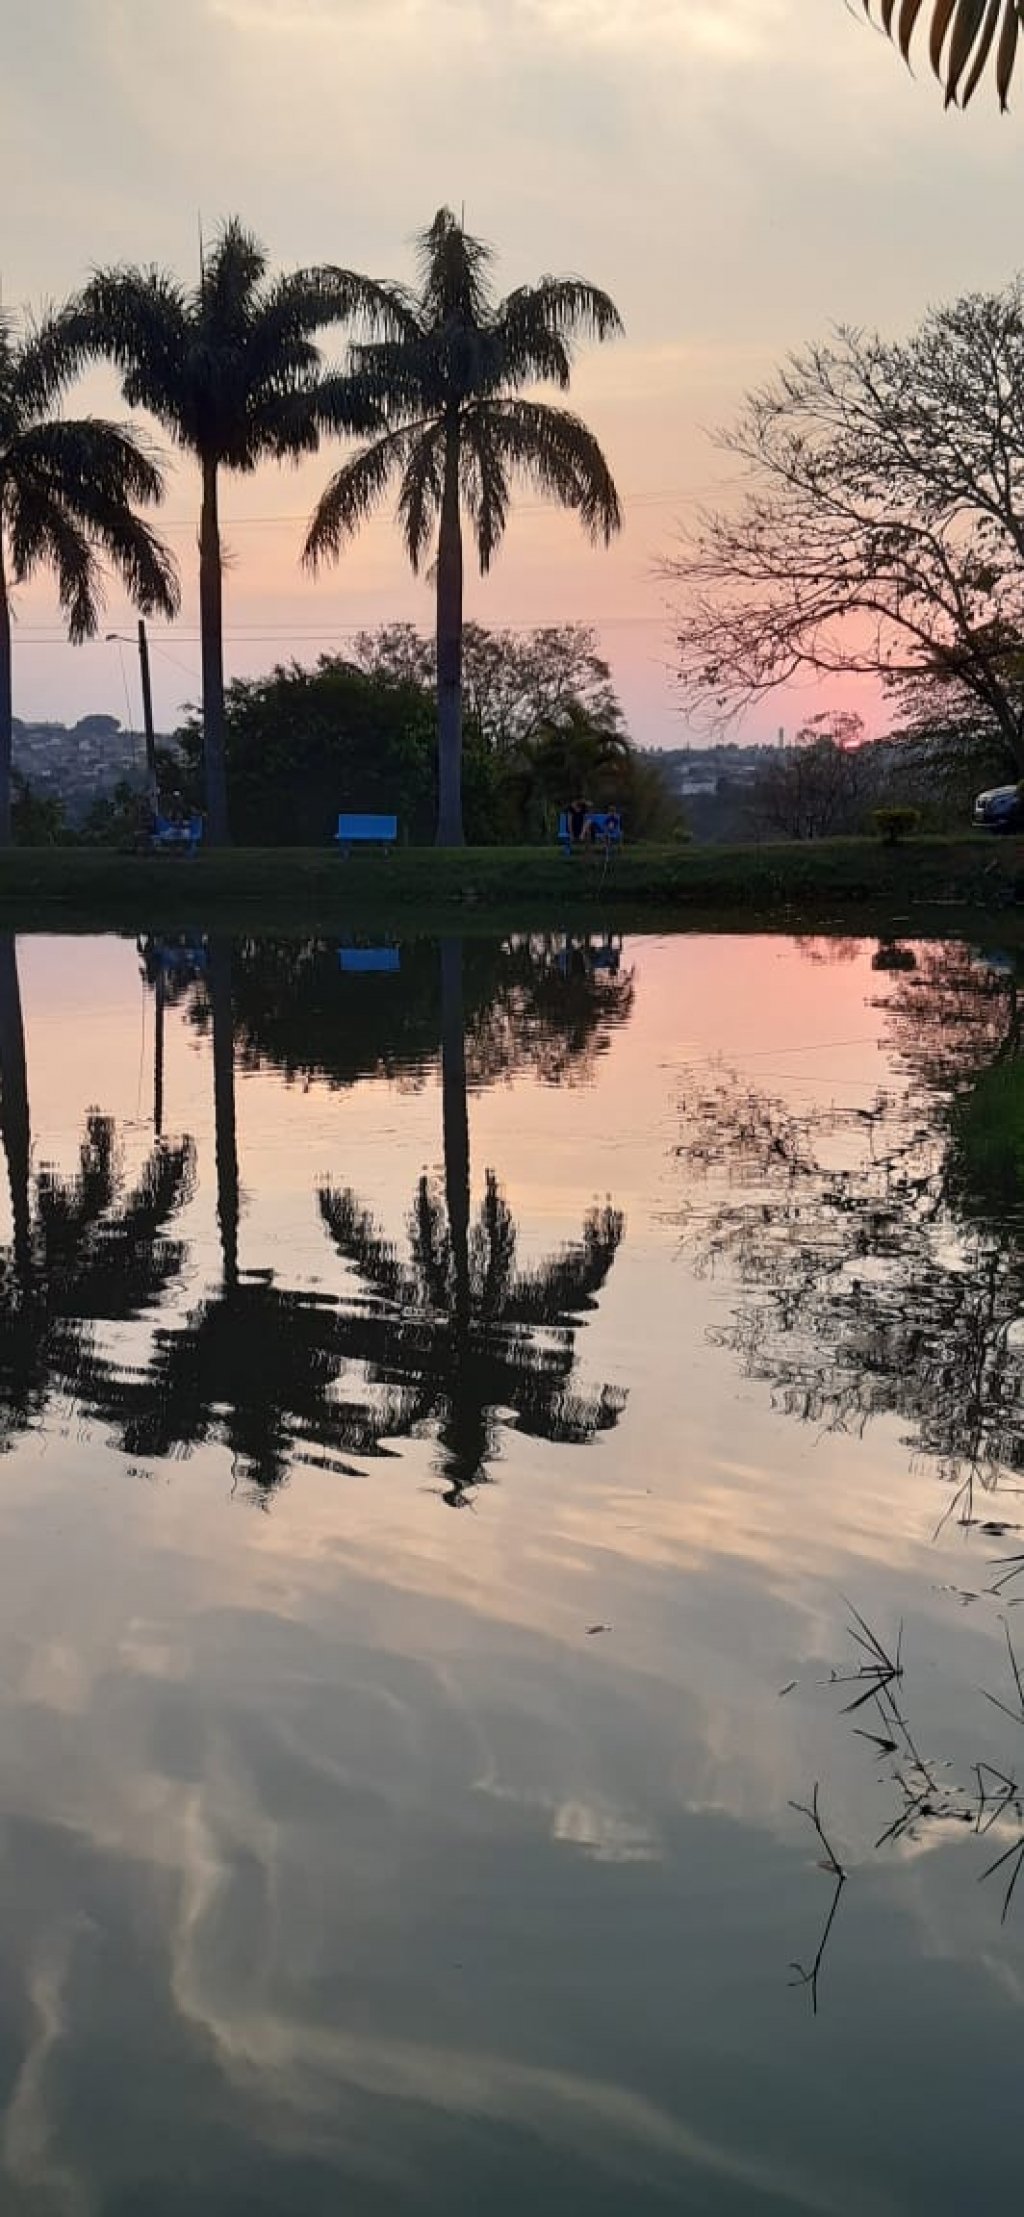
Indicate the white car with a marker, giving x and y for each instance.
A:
(1000, 809)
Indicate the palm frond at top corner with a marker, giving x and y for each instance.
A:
(966, 39)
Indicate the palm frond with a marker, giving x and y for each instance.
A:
(556, 452)
(50, 356)
(485, 487)
(419, 499)
(374, 305)
(282, 320)
(399, 377)
(76, 455)
(43, 534)
(430, 1245)
(561, 1289)
(142, 561)
(353, 493)
(454, 268)
(961, 38)
(139, 320)
(347, 402)
(539, 324)
(69, 1207)
(87, 474)
(232, 270)
(360, 1241)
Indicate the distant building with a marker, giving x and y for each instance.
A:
(79, 763)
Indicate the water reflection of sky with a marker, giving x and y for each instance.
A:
(342, 1857)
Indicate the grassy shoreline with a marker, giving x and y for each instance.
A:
(927, 886)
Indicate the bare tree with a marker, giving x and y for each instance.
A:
(884, 531)
(515, 684)
(821, 785)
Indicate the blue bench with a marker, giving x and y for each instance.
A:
(366, 831)
(169, 836)
(602, 828)
(359, 961)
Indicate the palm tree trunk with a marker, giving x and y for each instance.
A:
(225, 1134)
(160, 996)
(211, 627)
(464, 1432)
(449, 651)
(14, 1115)
(455, 1110)
(6, 707)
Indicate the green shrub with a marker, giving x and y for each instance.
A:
(894, 824)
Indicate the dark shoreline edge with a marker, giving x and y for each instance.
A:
(926, 888)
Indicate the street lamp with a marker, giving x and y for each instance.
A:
(147, 704)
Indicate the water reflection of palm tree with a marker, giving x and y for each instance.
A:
(280, 1374)
(84, 1249)
(461, 1324)
(257, 1365)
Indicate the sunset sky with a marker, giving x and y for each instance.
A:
(737, 173)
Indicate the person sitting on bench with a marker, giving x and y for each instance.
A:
(579, 816)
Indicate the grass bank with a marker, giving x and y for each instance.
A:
(923, 885)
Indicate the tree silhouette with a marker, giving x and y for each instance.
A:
(230, 368)
(85, 1250)
(68, 493)
(448, 382)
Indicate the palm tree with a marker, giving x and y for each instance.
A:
(230, 369)
(66, 493)
(449, 380)
(962, 37)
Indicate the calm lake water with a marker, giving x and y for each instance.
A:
(489, 1428)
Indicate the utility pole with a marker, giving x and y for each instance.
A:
(147, 715)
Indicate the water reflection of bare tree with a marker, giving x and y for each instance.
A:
(280, 1374)
(869, 1280)
(85, 1250)
(955, 1016)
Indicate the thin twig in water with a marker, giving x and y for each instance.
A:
(813, 1813)
(835, 1869)
(1016, 1851)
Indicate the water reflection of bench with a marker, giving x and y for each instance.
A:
(183, 957)
(582, 956)
(362, 960)
(176, 835)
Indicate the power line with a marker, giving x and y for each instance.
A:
(244, 634)
(648, 498)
